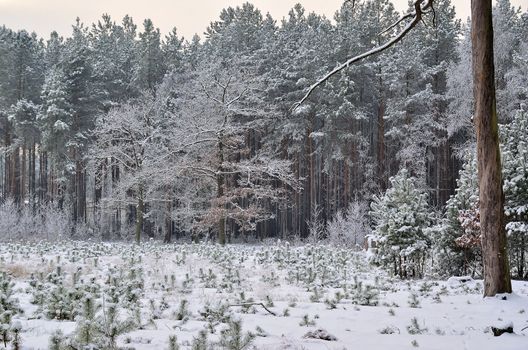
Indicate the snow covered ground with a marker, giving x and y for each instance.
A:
(180, 290)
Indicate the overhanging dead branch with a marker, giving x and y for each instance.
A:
(420, 8)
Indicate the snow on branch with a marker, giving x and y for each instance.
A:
(420, 8)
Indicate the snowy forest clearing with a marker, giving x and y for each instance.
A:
(179, 290)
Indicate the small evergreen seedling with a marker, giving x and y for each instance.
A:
(155, 311)
(306, 322)
(330, 304)
(426, 288)
(389, 330)
(163, 304)
(439, 331)
(173, 343)
(366, 295)
(135, 310)
(232, 338)
(16, 343)
(215, 315)
(338, 297)
(5, 327)
(437, 299)
(260, 332)
(200, 342)
(316, 295)
(56, 341)
(8, 308)
(443, 291)
(85, 333)
(247, 304)
(183, 311)
(414, 328)
(413, 301)
(109, 326)
(60, 303)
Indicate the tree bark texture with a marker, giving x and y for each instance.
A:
(492, 224)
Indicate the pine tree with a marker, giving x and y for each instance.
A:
(515, 172)
(200, 342)
(508, 40)
(109, 326)
(112, 56)
(173, 343)
(16, 341)
(401, 217)
(86, 323)
(55, 117)
(173, 51)
(233, 338)
(457, 249)
(22, 76)
(56, 341)
(9, 307)
(150, 69)
(419, 104)
(459, 119)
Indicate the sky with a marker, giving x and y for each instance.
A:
(188, 16)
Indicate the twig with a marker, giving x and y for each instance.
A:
(251, 304)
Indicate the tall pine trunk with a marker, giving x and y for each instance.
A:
(23, 174)
(139, 214)
(495, 259)
(168, 222)
(380, 146)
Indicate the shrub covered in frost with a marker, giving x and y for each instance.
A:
(350, 227)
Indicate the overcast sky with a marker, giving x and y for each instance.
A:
(189, 16)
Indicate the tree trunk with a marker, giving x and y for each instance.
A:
(16, 175)
(32, 176)
(168, 223)
(521, 262)
(495, 259)
(381, 146)
(139, 215)
(220, 182)
(80, 191)
(23, 174)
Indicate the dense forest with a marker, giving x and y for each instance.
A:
(117, 132)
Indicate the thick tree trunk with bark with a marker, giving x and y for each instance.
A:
(495, 259)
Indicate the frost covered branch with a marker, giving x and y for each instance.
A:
(420, 8)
